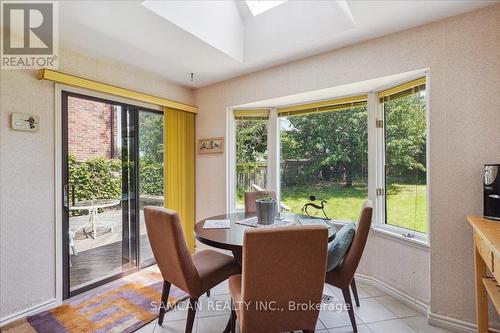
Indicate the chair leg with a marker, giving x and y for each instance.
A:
(193, 303)
(228, 326)
(355, 291)
(164, 301)
(348, 301)
(233, 321)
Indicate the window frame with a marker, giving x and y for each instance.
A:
(380, 201)
(273, 153)
(376, 171)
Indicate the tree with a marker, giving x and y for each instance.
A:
(336, 142)
(251, 141)
(405, 135)
(151, 137)
(332, 142)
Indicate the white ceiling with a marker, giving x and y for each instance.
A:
(218, 40)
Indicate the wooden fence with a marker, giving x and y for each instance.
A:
(257, 176)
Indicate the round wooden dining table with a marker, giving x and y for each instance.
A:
(231, 238)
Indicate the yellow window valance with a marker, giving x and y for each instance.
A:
(323, 106)
(402, 90)
(251, 114)
(76, 81)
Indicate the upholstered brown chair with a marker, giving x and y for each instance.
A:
(250, 198)
(195, 274)
(343, 276)
(280, 265)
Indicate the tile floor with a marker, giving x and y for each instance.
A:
(378, 313)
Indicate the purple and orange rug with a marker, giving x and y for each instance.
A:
(121, 306)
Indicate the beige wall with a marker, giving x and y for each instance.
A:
(27, 213)
(399, 265)
(463, 56)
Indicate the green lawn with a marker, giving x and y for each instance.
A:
(403, 207)
(406, 206)
(342, 203)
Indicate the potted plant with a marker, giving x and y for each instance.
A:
(266, 210)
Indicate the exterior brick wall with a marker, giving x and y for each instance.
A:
(91, 129)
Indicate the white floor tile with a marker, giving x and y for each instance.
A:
(390, 326)
(319, 325)
(371, 311)
(332, 319)
(348, 329)
(362, 293)
(399, 309)
(149, 328)
(220, 289)
(176, 326)
(179, 312)
(212, 324)
(365, 290)
(419, 324)
(215, 305)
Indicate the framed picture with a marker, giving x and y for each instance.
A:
(211, 145)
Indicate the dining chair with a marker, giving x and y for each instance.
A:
(250, 198)
(343, 276)
(283, 268)
(195, 274)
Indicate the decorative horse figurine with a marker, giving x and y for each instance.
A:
(311, 204)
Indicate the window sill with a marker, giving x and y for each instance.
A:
(421, 242)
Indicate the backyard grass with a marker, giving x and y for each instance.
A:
(404, 208)
(342, 203)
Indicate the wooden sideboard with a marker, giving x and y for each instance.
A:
(486, 257)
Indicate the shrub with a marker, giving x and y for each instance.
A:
(100, 178)
(95, 178)
(150, 177)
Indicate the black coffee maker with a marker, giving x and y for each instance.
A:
(491, 182)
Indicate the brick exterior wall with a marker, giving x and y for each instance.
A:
(91, 129)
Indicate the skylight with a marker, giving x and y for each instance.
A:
(259, 6)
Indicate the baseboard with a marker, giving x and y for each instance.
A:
(52, 303)
(397, 294)
(452, 324)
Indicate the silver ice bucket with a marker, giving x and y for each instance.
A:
(266, 210)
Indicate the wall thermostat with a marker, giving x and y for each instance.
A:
(25, 122)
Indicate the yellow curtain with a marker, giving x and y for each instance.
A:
(179, 132)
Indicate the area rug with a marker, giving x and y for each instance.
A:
(122, 306)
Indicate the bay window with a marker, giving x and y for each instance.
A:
(251, 152)
(324, 154)
(405, 164)
(328, 150)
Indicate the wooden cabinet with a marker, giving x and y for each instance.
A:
(486, 257)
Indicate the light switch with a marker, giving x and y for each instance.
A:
(25, 122)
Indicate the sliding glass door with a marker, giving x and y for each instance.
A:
(112, 166)
(151, 173)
